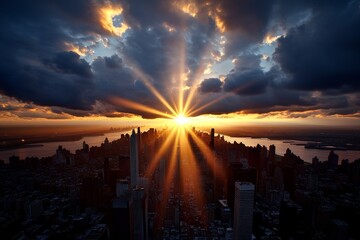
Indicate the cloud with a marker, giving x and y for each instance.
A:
(247, 78)
(113, 62)
(323, 53)
(36, 66)
(46, 56)
(210, 85)
(69, 63)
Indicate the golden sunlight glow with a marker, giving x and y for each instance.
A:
(82, 51)
(220, 24)
(106, 15)
(269, 39)
(134, 105)
(168, 27)
(147, 81)
(208, 69)
(187, 7)
(181, 119)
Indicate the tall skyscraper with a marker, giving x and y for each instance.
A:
(212, 139)
(138, 206)
(106, 170)
(138, 196)
(120, 212)
(134, 160)
(235, 172)
(333, 160)
(243, 210)
(272, 153)
(141, 167)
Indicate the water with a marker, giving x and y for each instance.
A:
(304, 153)
(48, 149)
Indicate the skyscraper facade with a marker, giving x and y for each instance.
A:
(243, 210)
(134, 160)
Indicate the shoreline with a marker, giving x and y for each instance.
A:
(309, 143)
(37, 141)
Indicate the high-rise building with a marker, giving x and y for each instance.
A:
(243, 210)
(271, 153)
(333, 160)
(120, 212)
(212, 139)
(236, 172)
(134, 160)
(339, 230)
(106, 170)
(217, 182)
(138, 206)
(90, 192)
(138, 198)
(288, 219)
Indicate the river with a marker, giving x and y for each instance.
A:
(304, 153)
(49, 148)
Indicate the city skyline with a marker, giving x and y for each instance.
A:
(178, 183)
(182, 119)
(212, 62)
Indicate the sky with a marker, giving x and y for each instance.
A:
(275, 61)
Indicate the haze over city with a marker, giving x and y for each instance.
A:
(182, 119)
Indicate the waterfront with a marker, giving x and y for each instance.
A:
(49, 148)
(305, 153)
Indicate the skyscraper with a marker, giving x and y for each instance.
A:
(212, 139)
(138, 199)
(235, 172)
(333, 160)
(134, 160)
(138, 206)
(243, 210)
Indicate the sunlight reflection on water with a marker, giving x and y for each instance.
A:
(48, 149)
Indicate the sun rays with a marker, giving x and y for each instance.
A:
(181, 119)
(181, 155)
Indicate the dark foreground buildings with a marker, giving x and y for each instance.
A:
(151, 186)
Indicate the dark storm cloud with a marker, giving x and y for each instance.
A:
(160, 53)
(47, 88)
(316, 61)
(247, 82)
(275, 99)
(199, 47)
(324, 53)
(246, 22)
(113, 81)
(35, 64)
(357, 100)
(144, 13)
(247, 78)
(255, 13)
(113, 62)
(153, 51)
(69, 63)
(210, 85)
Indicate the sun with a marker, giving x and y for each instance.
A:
(181, 119)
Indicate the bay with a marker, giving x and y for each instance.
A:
(49, 148)
(305, 154)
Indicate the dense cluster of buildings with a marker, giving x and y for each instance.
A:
(148, 185)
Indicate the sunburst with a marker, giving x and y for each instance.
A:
(181, 120)
(177, 149)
